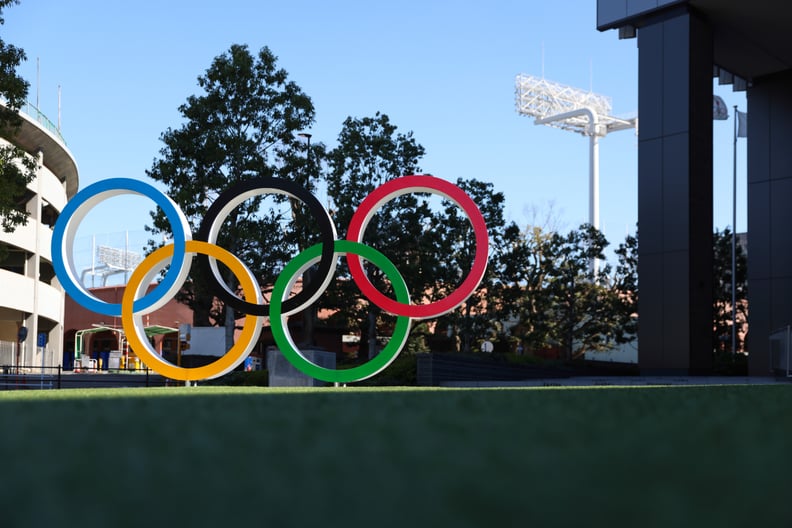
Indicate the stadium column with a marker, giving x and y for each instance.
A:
(675, 194)
(769, 214)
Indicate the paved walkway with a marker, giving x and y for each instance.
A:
(599, 381)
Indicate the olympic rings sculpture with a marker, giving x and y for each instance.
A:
(136, 302)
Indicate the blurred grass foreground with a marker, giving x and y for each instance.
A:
(233, 456)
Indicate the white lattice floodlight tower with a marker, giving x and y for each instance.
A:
(113, 261)
(569, 108)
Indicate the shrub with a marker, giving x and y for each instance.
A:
(402, 372)
(253, 378)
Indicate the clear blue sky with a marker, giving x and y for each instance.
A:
(443, 69)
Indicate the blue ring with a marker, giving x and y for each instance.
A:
(59, 255)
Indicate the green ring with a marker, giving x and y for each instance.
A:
(284, 340)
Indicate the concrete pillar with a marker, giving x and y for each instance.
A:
(32, 355)
(675, 195)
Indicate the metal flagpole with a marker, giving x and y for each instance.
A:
(734, 238)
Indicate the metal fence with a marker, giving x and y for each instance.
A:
(7, 353)
(781, 351)
(32, 110)
(13, 377)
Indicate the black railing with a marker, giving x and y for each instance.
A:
(13, 377)
(437, 368)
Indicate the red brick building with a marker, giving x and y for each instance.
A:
(102, 333)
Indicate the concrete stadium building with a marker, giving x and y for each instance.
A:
(31, 296)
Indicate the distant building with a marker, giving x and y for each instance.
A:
(102, 333)
(98, 333)
(31, 296)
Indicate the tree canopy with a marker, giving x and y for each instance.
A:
(722, 306)
(17, 169)
(538, 288)
(558, 301)
(244, 125)
(371, 151)
(481, 317)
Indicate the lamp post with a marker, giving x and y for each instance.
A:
(309, 313)
(306, 136)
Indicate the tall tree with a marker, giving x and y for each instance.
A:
(722, 307)
(558, 301)
(304, 167)
(625, 285)
(17, 168)
(582, 303)
(524, 276)
(477, 318)
(243, 125)
(370, 152)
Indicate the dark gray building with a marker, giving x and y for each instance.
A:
(682, 44)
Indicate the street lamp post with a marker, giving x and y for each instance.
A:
(309, 312)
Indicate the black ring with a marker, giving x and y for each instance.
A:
(231, 198)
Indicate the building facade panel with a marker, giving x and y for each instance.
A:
(613, 13)
(51, 189)
(780, 215)
(650, 193)
(23, 237)
(769, 213)
(681, 44)
(759, 221)
(675, 201)
(677, 310)
(17, 291)
(45, 242)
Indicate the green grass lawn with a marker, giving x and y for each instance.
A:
(215, 456)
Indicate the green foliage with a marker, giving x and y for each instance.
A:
(401, 373)
(418, 341)
(431, 246)
(722, 306)
(370, 152)
(481, 315)
(17, 169)
(526, 270)
(13, 88)
(625, 283)
(724, 363)
(559, 301)
(242, 378)
(581, 304)
(244, 124)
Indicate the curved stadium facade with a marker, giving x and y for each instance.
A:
(30, 295)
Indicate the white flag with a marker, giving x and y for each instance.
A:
(742, 124)
(719, 110)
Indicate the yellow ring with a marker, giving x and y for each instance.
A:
(140, 345)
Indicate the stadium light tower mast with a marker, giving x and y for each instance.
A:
(569, 108)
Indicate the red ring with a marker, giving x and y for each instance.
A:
(405, 185)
